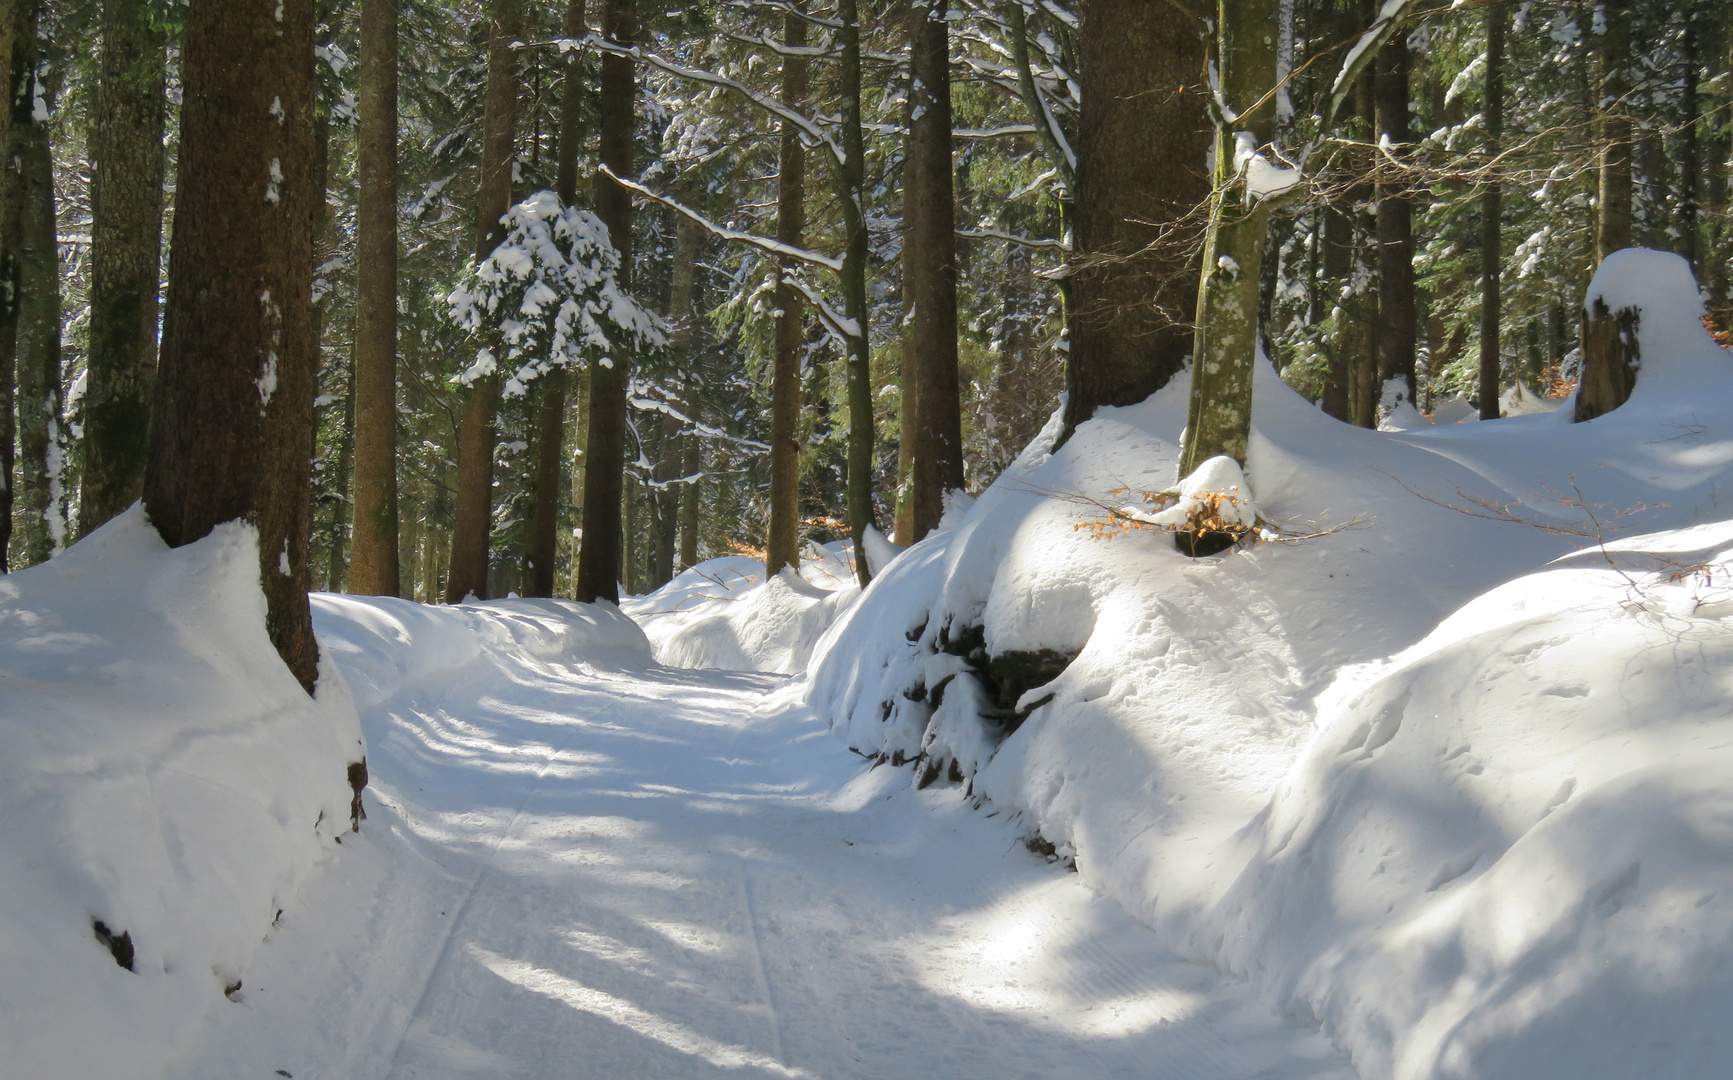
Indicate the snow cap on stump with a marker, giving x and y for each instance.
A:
(1660, 285)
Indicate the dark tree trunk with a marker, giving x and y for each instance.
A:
(854, 293)
(599, 563)
(1338, 263)
(664, 502)
(1612, 50)
(373, 568)
(232, 408)
(1141, 146)
(39, 396)
(17, 72)
(476, 431)
(337, 564)
(930, 271)
(691, 464)
(126, 258)
(1690, 147)
(783, 546)
(1396, 326)
(683, 313)
(542, 546)
(1491, 214)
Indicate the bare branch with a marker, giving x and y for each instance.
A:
(763, 243)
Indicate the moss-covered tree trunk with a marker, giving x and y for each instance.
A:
(232, 407)
(40, 446)
(476, 435)
(599, 559)
(126, 256)
(783, 545)
(373, 568)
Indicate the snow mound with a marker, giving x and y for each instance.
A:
(722, 613)
(1157, 716)
(162, 773)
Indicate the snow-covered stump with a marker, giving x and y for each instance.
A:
(1611, 356)
(1636, 294)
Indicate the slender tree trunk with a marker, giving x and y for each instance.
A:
(691, 464)
(1338, 263)
(41, 450)
(664, 502)
(373, 560)
(599, 563)
(1612, 51)
(908, 374)
(1141, 145)
(683, 313)
(338, 566)
(1397, 323)
(783, 546)
(232, 408)
(476, 431)
(854, 293)
(18, 74)
(126, 258)
(930, 270)
(542, 546)
(1491, 215)
(1690, 148)
(1220, 411)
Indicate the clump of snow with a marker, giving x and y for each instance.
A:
(1674, 348)
(1215, 492)
(1488, 844)
(723, 614)
(1264, 177)
(162, 773)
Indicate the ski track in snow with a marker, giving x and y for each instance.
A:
(633, 871)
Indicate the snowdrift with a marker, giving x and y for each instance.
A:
(723, 614)
(1487, 844)
(162, 774)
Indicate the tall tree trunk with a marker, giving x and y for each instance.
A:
(337, 566)
(691, 464)
(1338, 263)
(11, 223)
(126, 258)
(1690, 146)
(854, 293)
(1491, 214)
(783, 546)
(683, 313)
(1220, 410)
(1141, 147)
(930, 270)
(1396, 326)
(664, 501)
(1612, 52)
(373, 568)
(599, 563)
(542, 544)
(476, 431)
(908, 375)
(41, 451)
(232, 408)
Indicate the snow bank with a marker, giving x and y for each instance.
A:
(722, 614)
(1223, 746)
(162, 773)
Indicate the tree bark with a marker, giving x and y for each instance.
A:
(854, 268)
(1612, 52)
(232, 408)
(373, 568)
(599, 558)
(1491, 215)
(683, 313)
(1141, 147)
(126, 260)
(930, 271)
(337, 564)
(783, 546)
(1220, 410)
(1396, 325)
(40, 414)
(542, 544)
(1338, 262)
(476, 431)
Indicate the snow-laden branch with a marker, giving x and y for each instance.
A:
(787, 9)
(765, 41)
(696, 427)
(1046, 243)
(764, 101)
(837, 323)
(763, 243)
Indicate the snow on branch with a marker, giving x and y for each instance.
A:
(834, 321)
(763, 243)
(1046, 243)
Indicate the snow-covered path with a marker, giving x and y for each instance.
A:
(621, 870)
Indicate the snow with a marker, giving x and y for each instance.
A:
(1457, 806)
(1264, 177)
(161, 772)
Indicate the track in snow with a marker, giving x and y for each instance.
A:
(640, 872)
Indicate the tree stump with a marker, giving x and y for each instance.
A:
(1611, 357)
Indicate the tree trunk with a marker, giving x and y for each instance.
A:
(783, 546)
(232, 408)
(599, 563)
(908, 375)
(373, 568)
(1690, 147)
(683, 313)
(1491, 214)
(1612, 51)
(17, 73)
(664, 502)
(126, 257)
(476, 431)
(542, 544)
(1141, 147)
(337, 566)
(691, 464)
(1220, 411)
(854, 293)
(1396, 324)
(930, 271)
(1610, 358)
(41, 451)
(1338, 263)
